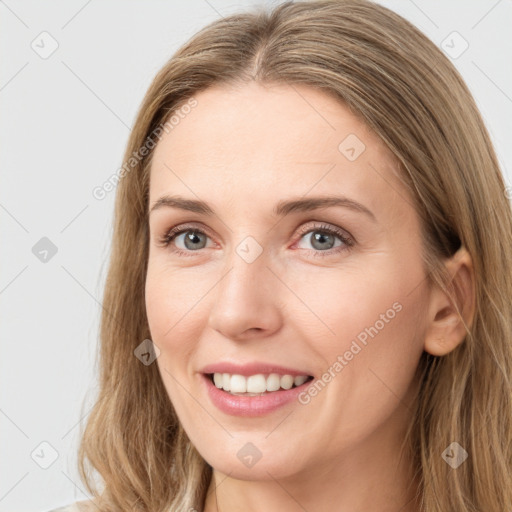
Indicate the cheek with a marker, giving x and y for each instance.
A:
(342, 305)
(177, 307)
(172, 300)
(367, 336)
(169, 311)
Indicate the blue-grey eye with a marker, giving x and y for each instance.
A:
(322, 239)
(193, 240)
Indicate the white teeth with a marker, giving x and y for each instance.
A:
(256, 384)
(238, 384)
(218, 379)
(286, 381)
(273, 382)
(299, 380)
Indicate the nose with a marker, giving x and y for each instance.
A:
(246, 301)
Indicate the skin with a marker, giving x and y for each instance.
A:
(242, 150)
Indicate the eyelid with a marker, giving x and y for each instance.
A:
(179, 229)
(301, 231)
(347, 239)
(326, 226)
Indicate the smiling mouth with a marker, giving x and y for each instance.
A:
(256, 385)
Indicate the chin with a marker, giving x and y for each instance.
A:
(248, 464)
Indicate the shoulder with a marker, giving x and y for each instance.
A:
(78, 506)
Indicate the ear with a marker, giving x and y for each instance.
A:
(445, 329)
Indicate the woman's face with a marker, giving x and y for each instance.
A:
(267, 285)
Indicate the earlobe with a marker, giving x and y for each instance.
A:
(448, 312)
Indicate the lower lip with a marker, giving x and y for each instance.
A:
(239, 405)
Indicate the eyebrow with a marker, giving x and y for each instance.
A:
(281, 209)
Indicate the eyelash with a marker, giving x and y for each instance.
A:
(169, 236)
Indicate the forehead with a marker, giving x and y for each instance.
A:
(259, 143)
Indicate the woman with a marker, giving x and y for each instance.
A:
(339, 338)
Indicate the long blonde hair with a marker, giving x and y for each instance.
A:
(396, 80)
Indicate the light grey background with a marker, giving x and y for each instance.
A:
(64, 123)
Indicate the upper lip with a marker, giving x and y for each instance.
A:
(253, 368)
